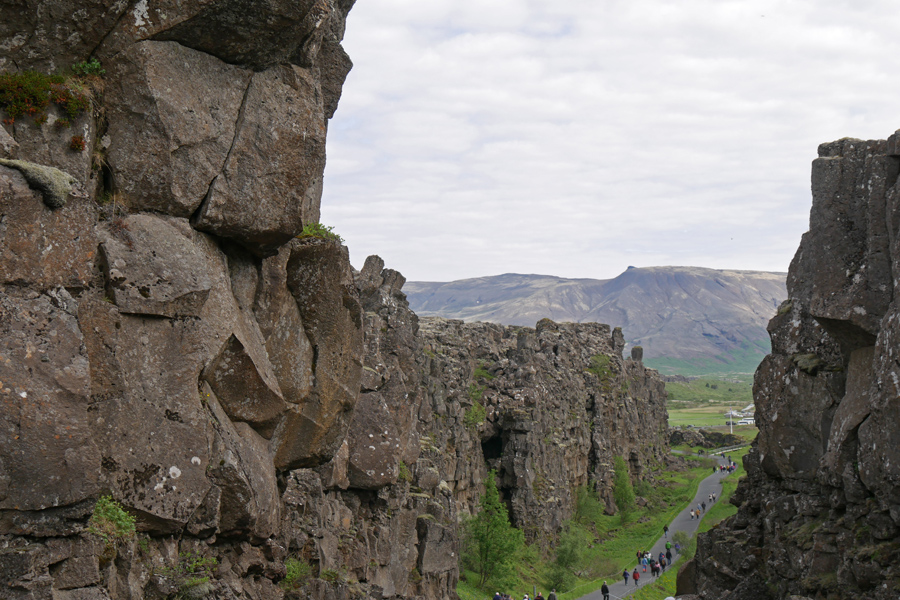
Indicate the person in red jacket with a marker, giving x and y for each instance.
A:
(636, 576)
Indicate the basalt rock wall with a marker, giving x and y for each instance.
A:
(529, 404)
(819, 511)
(253, 401)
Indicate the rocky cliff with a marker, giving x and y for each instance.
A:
(537, 406)
(266, 413)
(819, 510)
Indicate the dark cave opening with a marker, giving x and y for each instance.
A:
(492, 448)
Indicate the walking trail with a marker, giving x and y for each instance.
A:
(683, 522)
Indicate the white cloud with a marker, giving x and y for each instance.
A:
(577, 138)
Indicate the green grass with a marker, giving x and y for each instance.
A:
(613, 543)
(703, 402)
(742, 360)
(736, 390)
(722, 509)
(609, 545)
(607, 559)
(466, 591)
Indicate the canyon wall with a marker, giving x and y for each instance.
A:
(168, 340)
(819, 509)
(528, 404)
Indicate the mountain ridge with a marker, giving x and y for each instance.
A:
(684, 317)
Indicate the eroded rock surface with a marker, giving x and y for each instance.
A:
(527, 402)
(247, 396)
(818, 512)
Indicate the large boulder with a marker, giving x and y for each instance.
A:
(374, 446)
(181, 107)
(271, 183)
(154, 268)
(320, 280)
(48, 455)
(41, 247)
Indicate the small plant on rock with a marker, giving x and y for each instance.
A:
(112, 524)
(481, 372)
(475, 415)
(110, 521)
(30, 93)
(297, 573)
(87, 68)
(331, 576)
(191, 575)
(403, 473)
(77, 144)
(317, 230)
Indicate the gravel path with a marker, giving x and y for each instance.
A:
(682, 522)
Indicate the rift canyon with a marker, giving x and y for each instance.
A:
(170, 339)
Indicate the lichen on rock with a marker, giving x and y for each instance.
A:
(53, 184)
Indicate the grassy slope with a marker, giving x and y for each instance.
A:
(609, 546)
(703, 402)
(742, 360)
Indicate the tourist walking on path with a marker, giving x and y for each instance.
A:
(684, 521)
(605, 591)
(665, 531)
(636, 576)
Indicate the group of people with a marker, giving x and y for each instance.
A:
(729, 468)
(656, 564)
(537, 596)
(701, 508)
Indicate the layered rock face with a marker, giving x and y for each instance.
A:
(529, 404)
(820, 509)
(246, 395)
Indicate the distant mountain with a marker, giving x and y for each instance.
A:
(688, 319)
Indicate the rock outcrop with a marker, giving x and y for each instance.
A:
(819, 513)
(272, 418)
(532, 405)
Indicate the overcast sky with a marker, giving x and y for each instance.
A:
(578, 137)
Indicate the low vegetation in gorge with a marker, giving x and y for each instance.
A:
(594, 545)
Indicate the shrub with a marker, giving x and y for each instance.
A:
(623, 493)
(643, 488)
(317, 230)
(491, 542)
(77, 144)
(331, 576)
(29, 93)
(403, 472)
(475, 415)
(476, 392)
(191, 575)
(482, 373)
(588, 508)
(110, 521)
(297, 572)
(569, 554)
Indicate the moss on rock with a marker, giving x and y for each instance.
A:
(53, 184)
